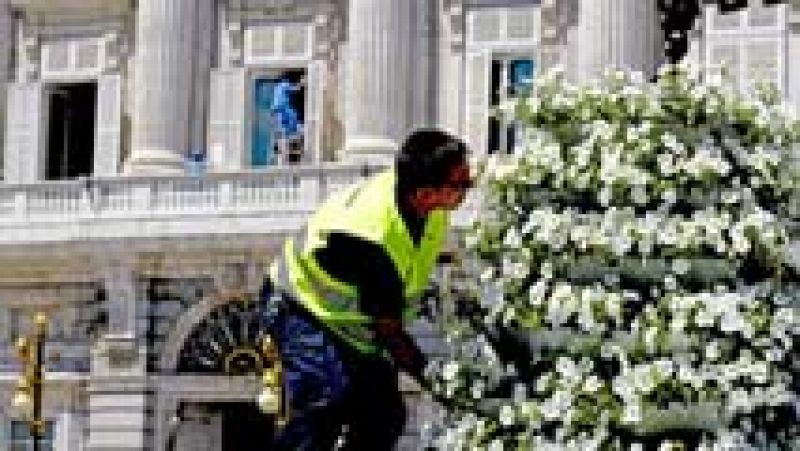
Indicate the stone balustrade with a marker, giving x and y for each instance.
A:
(274, 200)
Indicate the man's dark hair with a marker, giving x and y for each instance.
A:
(426, 157)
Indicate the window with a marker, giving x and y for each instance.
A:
(21, 440)
(69, 55)
(70, 137)
(278, 118)
(750, 43)
(266, 42)
(501, 44)
(509, 77)
(503, 26)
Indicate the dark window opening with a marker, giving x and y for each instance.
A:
(510, 78)
(70, 137)
(243, 424)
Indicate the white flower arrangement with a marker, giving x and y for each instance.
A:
(635, 250)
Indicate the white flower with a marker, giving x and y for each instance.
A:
(520, 393)
(512, 238)
(592, 384)
(546, 270)
(669, 196)
(759, 372)
(774, 354)
(450, 370)
(477, 389)
(680, 266)
(712, 351)
(632, 413)
(506, 415)
(664, 367)
(495, 445)
(567, 369)
(650, 336)
(536, 292)
(705, 318)
(542, 383)
(739, 400)
(605, 196)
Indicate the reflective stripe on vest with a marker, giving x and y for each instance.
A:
(357, 332)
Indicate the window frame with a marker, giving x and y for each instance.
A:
(25, 443)
(741, 37)
(487, 51)
(308, 123)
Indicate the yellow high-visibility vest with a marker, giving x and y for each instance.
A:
(367, 210)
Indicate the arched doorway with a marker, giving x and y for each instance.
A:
(224, 344)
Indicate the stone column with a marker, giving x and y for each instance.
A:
(162, 70)
(382, 64)
(450, 83)
(623, 34)
(118, 387)
(6, 41)
(794, 55)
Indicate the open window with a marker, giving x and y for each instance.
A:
(279, 118)
(500, 63)
(71, 130)
(510, 77)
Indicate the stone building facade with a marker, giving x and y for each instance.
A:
(145, 180)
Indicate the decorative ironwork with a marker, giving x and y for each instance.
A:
(228, 341)
(232, 341)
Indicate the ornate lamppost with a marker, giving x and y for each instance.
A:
(29, 386)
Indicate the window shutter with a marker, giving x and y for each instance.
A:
(477, 101)
(107, 130)
(226, 133)
(25, 141)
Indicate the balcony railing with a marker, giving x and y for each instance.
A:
(265, 201)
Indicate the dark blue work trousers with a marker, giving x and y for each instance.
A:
(339, 398)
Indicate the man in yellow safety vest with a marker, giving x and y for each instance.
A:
(345, 285)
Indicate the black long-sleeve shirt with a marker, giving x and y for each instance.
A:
(367, 267)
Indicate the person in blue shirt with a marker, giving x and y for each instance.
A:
(287, 118)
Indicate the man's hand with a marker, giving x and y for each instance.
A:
(405, 353)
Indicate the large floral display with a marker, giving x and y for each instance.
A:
(628, 283)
